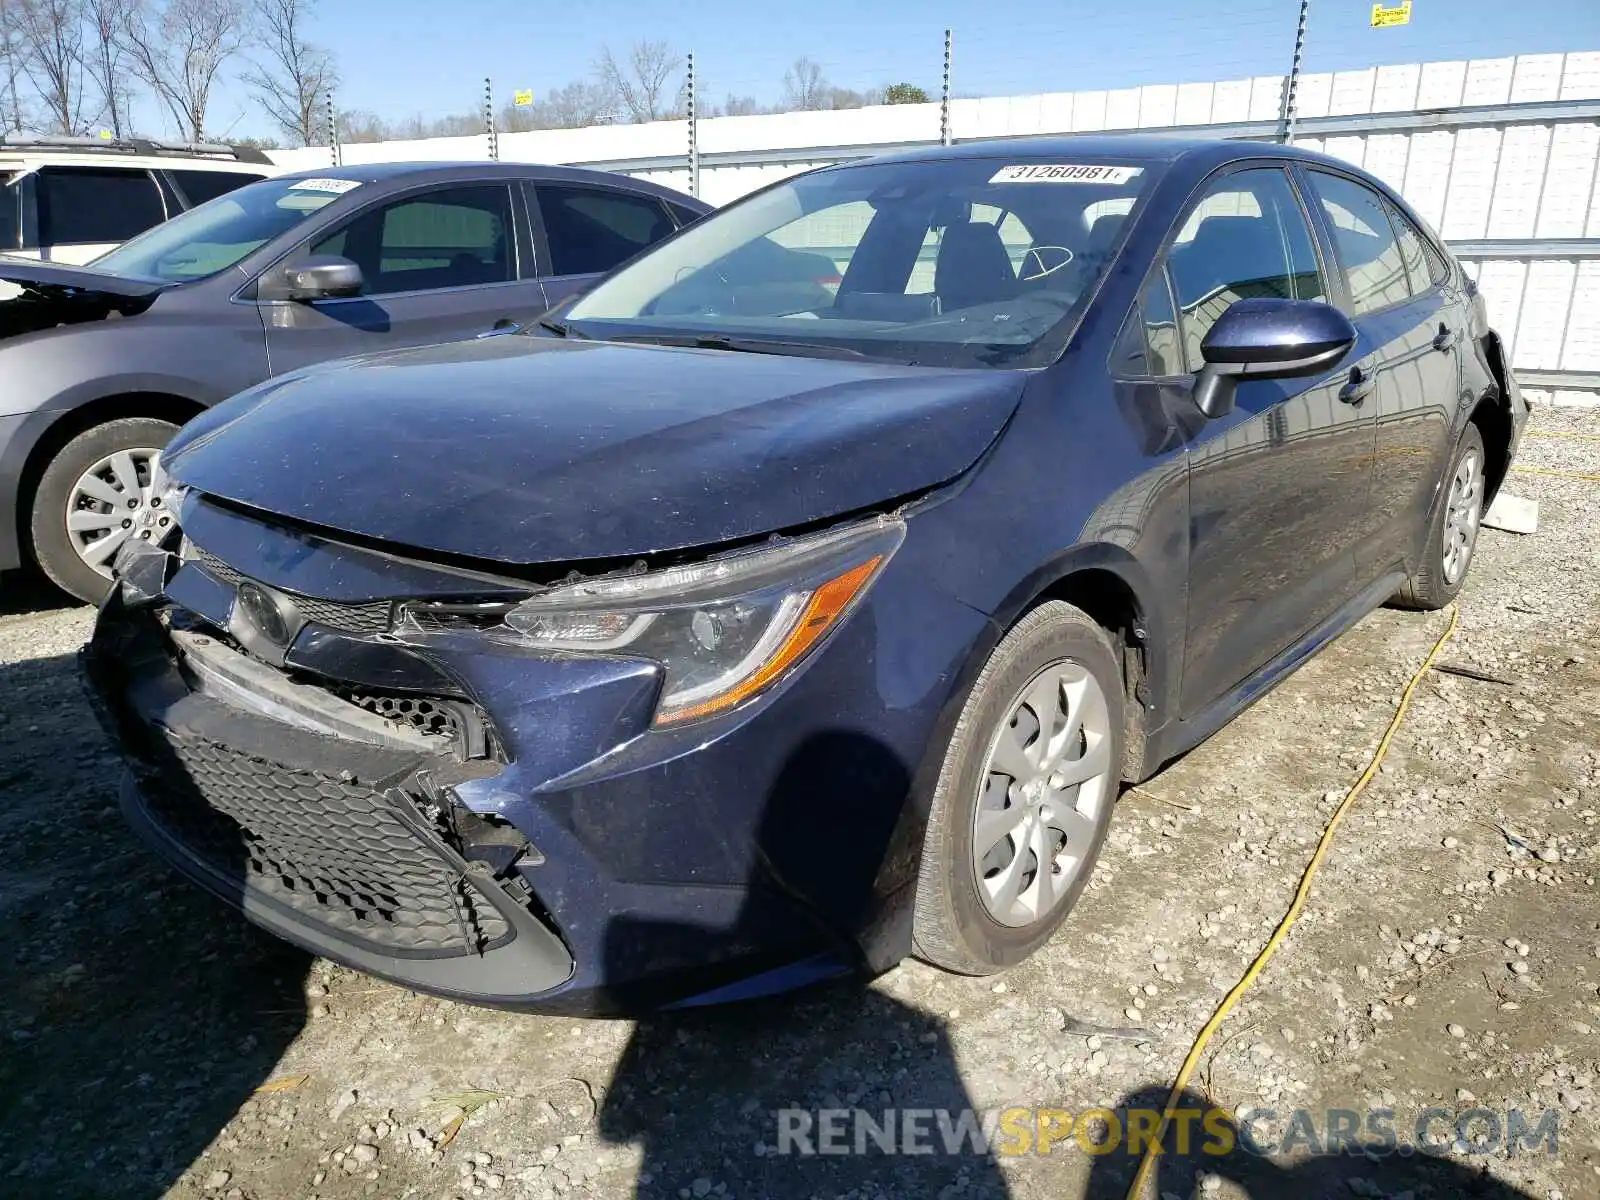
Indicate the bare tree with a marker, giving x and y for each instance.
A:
(105, 61)
(739, 106)
(641, 84)
(180, 49)
(49, 34)
(803, 85)
(295, 74)
(11, 55)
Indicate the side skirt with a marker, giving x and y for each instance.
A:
(1180, 737)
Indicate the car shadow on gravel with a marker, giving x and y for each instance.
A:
(137, 1014)
(29, 591)
(731, 1100)
(1185, 1162)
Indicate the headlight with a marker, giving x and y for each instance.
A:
(724, 629)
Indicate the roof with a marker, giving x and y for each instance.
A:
(446, 171)
(1136, 146)
(123, 149)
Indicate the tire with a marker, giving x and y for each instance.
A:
(55, 547)
(1439, 577)
(962, 921)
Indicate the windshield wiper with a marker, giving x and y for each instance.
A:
(721, 341)
(561, 328)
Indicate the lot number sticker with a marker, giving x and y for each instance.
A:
(1064, 173)
(335, 186)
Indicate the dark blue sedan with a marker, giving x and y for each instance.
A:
(800, 597)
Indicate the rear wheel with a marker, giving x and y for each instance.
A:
(102, 489)
(1024, 798)
(1452, 533)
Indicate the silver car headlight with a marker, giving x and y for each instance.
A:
(726, 629)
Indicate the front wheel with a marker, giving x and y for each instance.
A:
(101, 489)
(1024, 798)
(1452, 533)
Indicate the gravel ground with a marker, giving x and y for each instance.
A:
(1449, 957)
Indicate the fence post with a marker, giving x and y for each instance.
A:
(1293, 82)
(333, 134)
(488, 120)
(944, 96)
(694, 138)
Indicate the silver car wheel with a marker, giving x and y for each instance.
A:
(118, 498)
(1046, 784)
(1462, 516)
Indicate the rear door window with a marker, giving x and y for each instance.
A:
(95, 205)
(1374, 268)
(590, 230)
(200, 186)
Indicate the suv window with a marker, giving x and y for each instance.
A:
(455, 237)
(1246, 236)
(1374, 270)
(88, 205)
(10, 214)
(591, 230)
(200, 186)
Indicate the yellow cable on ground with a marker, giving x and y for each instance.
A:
(1559, 433)
(1152, 1149)
(1555, 474)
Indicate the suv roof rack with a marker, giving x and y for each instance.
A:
(147, 147)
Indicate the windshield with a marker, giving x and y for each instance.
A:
(216, 235)
(952, 262)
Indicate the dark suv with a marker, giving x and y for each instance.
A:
(103, 363)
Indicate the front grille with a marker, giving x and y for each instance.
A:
(371, 616)
(333, 850)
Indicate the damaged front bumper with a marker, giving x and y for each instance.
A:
(352, 849)
(476, 820)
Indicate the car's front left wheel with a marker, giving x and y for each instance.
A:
(101, 489)
(1024, 798)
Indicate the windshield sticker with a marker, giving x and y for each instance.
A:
(1064, 173)
(336, 186)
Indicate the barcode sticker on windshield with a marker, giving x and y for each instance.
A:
(336, 186)
(1064, 173)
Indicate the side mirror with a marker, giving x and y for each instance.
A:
(1268, 339)
(322, 277)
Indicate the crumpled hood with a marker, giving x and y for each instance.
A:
(35, 295)
(527, 450)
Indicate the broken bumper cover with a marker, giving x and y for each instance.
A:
(326, 844)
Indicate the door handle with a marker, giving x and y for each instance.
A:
(1445, 339)
(1358, 388)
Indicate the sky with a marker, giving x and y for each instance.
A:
(401, 57)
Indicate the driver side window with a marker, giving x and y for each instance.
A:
(454, 237)
(1246, 236)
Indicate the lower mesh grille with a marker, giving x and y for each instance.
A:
(333, 850)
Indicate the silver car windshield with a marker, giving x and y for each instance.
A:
(219, 233)
(949, 262)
